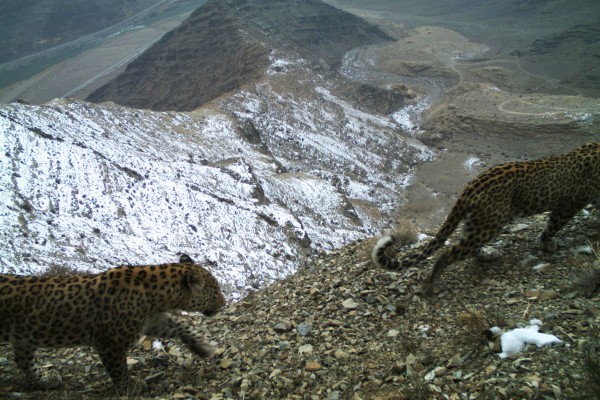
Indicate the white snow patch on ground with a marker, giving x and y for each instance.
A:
(409, 117)
(89, 187)
(472, 163)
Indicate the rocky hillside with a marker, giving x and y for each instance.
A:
(342, 329)
(226, 44)
(90, 186)
(31, 26)
(286, 180)
(552, 11)
(579, 45)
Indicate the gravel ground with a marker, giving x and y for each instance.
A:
(342, 329)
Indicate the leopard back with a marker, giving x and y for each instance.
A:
(562, 184)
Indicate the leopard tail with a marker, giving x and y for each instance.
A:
(381, 259)
(379, 256)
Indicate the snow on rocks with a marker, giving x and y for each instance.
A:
(90, 186)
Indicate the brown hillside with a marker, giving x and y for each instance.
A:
(224, 45)
(205, 56)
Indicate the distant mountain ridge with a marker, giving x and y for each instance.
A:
(579, 45)
(226, 44)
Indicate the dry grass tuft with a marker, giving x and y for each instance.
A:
(61, 270)
(477, 322)
(418, 389)
(588, 283)
(405, 233)
(473, 320)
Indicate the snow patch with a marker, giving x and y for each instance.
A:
(471, 163)
(409, 117)
(247, 188)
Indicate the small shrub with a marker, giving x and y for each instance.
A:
(477, 322)
(26, 206)
(406, 233)
(418, 389)
(61, 270)
(589, 281)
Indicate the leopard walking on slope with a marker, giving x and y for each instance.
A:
(108, 311)
(562, 184)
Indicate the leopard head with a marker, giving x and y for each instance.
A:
(203, 292)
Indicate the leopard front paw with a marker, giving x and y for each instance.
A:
(202, 349)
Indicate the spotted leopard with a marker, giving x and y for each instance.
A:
(562, 185)
(108, 311)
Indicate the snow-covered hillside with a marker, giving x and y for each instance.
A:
(250, 187)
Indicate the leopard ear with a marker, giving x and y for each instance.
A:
(185, 259)
(191, 281)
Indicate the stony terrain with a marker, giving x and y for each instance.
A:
(341, 329)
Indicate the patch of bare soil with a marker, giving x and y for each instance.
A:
(342, 329)
(478, 125)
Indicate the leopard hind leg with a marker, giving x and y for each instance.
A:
(556, 221)
(113, 354)
(473, 238)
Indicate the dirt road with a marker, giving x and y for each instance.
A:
(80, 75)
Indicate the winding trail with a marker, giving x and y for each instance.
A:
(515, 62)
(559, 110)
(92, 37)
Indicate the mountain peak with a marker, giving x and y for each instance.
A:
(225, 45)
